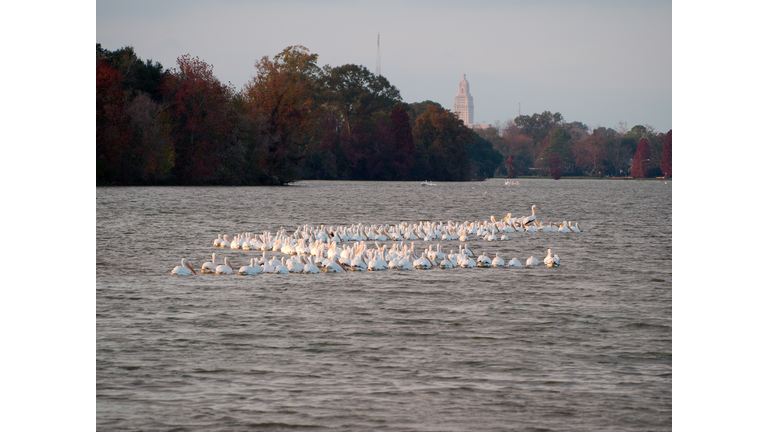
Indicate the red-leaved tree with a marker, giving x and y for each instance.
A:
(641, 159)
(114, 133)
(203, 119)
(511, 171)
(666, 156)
(555, 166)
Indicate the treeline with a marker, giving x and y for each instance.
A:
(296, 120)
(544, 144)
(293, 120)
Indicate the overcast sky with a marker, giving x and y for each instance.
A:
(597, 62)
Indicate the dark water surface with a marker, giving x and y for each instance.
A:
(586, 346)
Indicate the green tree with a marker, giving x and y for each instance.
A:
(404, 145)
(417, 108)
(637, 132)
(138, 76)
(486, 159)
(153, 140)
(538, 126)
(520, 146)
(282, 104)
(356, 95)
(441, 140)
(619, 150)
(558, 142)
(589, 151)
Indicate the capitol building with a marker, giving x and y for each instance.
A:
(464, 106)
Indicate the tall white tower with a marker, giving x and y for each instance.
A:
(378, 55)
(463, 106)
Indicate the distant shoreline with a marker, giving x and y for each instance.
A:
(590, 178)
(399, 181)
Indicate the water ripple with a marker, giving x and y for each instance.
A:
(586, 346)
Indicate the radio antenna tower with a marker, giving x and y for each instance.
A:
(378, 55)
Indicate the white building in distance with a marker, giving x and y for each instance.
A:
(464, 106)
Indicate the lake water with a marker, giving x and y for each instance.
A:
(585, 346)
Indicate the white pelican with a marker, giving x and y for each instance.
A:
(245, 270)
(483, 260)
(344, 261)
(377, 263)
(295, 265)
(256, 267)
(530, 219)
(225, 268)
(217, 242)
(446, 264)
(210, 266)
(288, 248)
(453, 258)
(268, 267)
(250, 270)
(422, 263)
(183, 270)
(237, 243)
(310, 268)
(281, 268)
(551, 261)
(497, 262)
(357, 263)
(333, 267)
(532, 228)
(405, 262)
(532, 262)
(438, 254)
(468, 262)
(464, 261)
(514, 263)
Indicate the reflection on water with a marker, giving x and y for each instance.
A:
(585, 346)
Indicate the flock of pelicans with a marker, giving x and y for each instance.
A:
(316, 249)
